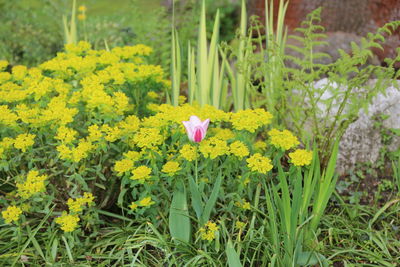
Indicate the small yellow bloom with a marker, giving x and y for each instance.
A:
(66, 135)
(132, 155)
(79, 203)
(32, 185)
(283, 139)
(214, 147)
(250, 120)
(301, 157)
(11, 214)
(133, 206)
(123, 166)
(259, 163)
(141, 173)
(23, 141)
(67, 222)
(188, 152)
(145, 202)
(208, 231)
(239, 149)
(81, 16)
(82, 8)
(171, 167)
(261, 145)
(243, 204)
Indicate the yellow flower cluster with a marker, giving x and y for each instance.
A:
(123, 165)
(144, 202)
(11, 214)
(214, 147)
(24, 141)
(301, 157)
(171, 167)
(239, 149)
(243, 204)
(188, 152)
(68, 222)
(141, 173)
(250, 120)
(283, 139)
(208, 231)
(148, 138)
(76, 153)
(259, 163)
(79, 203)
(223, 133)
(65, 135)
(32, 185)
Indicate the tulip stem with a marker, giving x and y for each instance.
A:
(196, 174)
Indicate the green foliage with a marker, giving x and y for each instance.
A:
(24, 37)
(346, 91)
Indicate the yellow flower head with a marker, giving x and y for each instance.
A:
(260, 145)
(188, 152)
(259, 163)
(223, 134)
(123, 166)
(11, 214)
(133, 206)
(239, 149)
(68, 222)
(171, 167)
(208, 231)
(283, 139)
(23, 141)
(214, 147)
(243, 204)
(132, 155)
(65, 135)
(32, 185)
(79, 203)
(141, 173)
(82, 8)
(301, 157)
(148, 138)
(145, 202)
(250, 120)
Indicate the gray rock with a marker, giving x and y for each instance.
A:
(362, 141)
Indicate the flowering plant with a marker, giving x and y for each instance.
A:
(83, 138)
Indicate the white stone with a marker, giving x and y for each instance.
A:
(361, 142)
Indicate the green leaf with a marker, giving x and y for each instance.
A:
(197, 204)
(179, 221)
(309, 258)
(233, 257)
(211, 201)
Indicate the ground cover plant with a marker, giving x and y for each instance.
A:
(105, 162)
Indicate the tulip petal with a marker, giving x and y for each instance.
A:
(195, 120)
(189, 129)
(204, 125)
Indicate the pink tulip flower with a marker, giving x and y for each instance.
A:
(196, 129)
